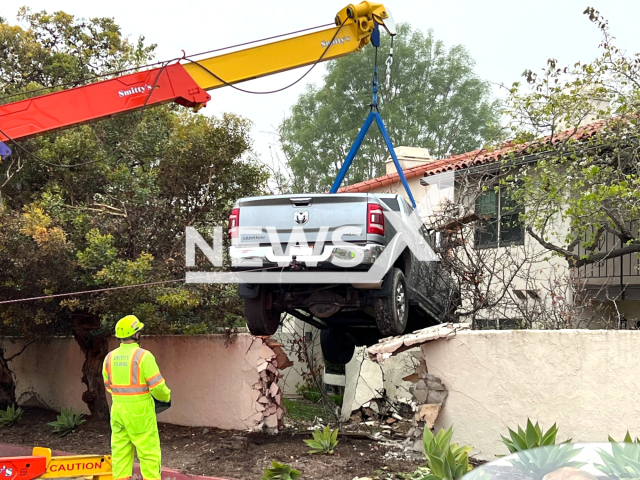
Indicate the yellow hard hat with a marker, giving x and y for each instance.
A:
(128, 326)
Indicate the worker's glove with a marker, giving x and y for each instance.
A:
(161, 406)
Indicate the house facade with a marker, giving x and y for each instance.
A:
(523, 285)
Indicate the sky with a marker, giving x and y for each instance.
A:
(505, 37)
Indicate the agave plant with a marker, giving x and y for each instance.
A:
(10, 416)
(67, 422)
(280, 471)
(439, 444)
(324, 441)
(537, 462)
(532, 437)
(624, 462)
(627, 439)
(445, 460)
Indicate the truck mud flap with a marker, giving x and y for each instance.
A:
(387, 286)
(248, 291)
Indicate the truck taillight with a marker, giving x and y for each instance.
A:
(234, 222)
(375, 219)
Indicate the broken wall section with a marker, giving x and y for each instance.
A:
(269, 407)
(400, 387)
(390, 381)
(377, 387)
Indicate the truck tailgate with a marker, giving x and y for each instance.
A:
(309, 213)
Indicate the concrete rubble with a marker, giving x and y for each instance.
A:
(268, 405)
(389, 382)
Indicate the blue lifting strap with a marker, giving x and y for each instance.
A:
(373, 115)
(5, 151)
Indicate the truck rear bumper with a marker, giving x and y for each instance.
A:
(331, 257)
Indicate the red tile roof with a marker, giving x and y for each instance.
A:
(470, 159)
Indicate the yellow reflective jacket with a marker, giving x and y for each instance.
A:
(132, 374)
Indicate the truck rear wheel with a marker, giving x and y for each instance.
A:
(262, 318)
(392, 312)
(337, 346)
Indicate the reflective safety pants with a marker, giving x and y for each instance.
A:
(133, 424)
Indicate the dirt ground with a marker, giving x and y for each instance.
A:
(222, 453)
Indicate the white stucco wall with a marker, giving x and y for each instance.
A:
(587, 381)
(213, 382)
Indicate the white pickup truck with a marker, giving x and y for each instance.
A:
(341, 263)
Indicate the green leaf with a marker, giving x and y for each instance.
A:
(436, 465)
(518, 439)
(549, 437)
(532, 437)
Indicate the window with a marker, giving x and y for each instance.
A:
(392, 203)
(483, 324)
(509, 324)
(499, 225)
(498, 324)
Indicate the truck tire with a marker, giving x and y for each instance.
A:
(392, 312)
(364, 337)
(337, 346)
(262, 318)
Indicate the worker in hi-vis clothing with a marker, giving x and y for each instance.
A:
(132, 377)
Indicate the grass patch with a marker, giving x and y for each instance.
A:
(304, 410)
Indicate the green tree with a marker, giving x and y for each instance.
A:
(586, 174)
(435, 101)
(58, 49)
(106, 205)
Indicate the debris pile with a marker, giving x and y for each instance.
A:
(269, 408)
(429, 393)
(379, 411)
(390, 383)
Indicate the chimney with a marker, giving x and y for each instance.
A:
(593, 108)
(409, 157)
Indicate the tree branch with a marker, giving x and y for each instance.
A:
(20, 352)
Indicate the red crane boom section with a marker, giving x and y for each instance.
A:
(27, 118)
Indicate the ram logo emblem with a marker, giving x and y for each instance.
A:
(301, 217)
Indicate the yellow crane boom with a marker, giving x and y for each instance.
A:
(186, 83)
(354, 26)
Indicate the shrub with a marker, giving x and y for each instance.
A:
(324, 441)
(67, 422)
(10, 416)
(337, 399)
(280, 471)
